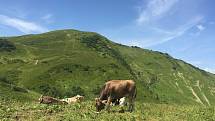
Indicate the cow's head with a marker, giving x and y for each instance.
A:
(100, 104)
(79, 98)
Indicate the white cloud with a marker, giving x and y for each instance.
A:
(137, 35)
(22, 25)
(196, 63)
(153, 12)
(134, 43)
(48, 18)
(211, 70)
(149, 30)
(200, 27)
(200, 64)
(168, 35)
(155, 9)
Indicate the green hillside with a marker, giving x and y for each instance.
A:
(68, 62)
(86, 112)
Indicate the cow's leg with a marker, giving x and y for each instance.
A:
(108, 104)
(132, 99)
(131, 104)
(121, 109)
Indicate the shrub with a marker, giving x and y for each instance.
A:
(5, 80)
(6, 45)
(46, 89)
(153, 80)
(18, 89)
(96, 90)
(75, 90)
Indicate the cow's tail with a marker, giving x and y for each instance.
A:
(135, 92)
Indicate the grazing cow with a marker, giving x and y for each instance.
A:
(122, 101)
(116, 89)
(50, 100)
(75, 99)
(115, 102)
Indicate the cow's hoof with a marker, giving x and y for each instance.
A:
(122, 111)
(130, 111)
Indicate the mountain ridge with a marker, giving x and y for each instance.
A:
(60, 63)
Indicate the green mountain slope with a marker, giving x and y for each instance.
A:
(68, 62)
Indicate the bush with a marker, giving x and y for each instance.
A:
(18, 89)
(73, 91)
(5, 80)
(13, 75)
(6, 45)
(49, 90)
(153, 80)
(96, 90)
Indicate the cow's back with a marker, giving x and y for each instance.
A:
(48, 100)
(119, 88)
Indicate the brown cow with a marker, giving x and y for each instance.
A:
(116, 89)
(50, 100)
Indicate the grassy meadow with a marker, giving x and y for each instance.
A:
(85, 111)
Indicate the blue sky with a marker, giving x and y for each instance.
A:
(183, 28)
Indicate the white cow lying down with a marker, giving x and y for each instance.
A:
(75, 99)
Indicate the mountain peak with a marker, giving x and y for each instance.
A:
(57, 62)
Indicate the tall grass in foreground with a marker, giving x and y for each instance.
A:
(86, 111)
